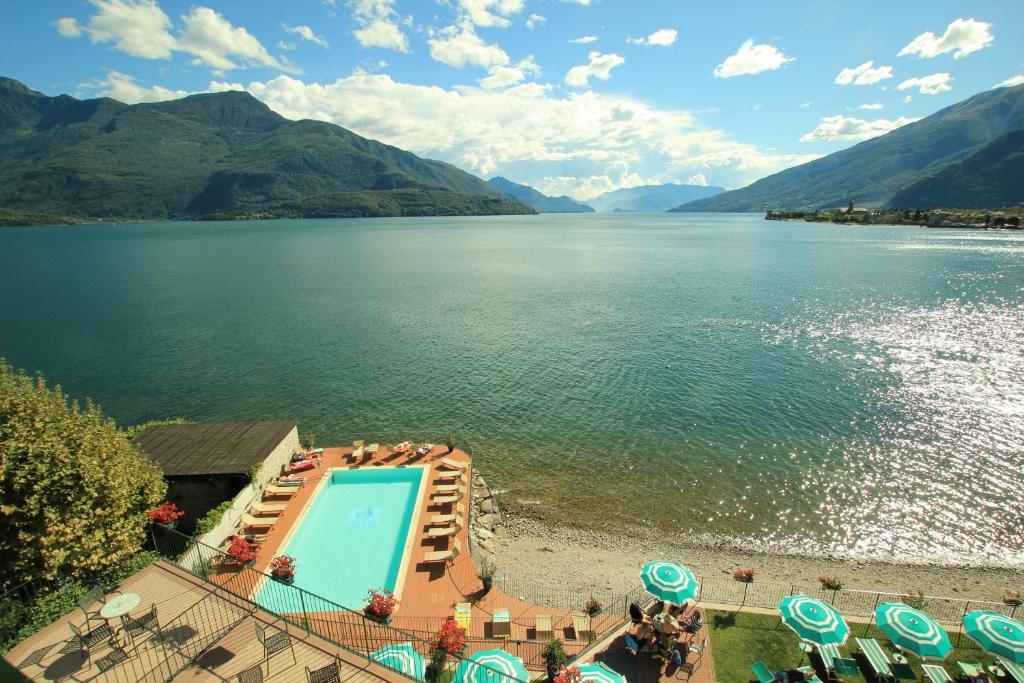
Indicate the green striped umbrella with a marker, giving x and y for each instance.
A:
(599, 673)
(912, 630)
(814, 620)
(997, 634)
(669, 581)
(402, 658)
(491, 666)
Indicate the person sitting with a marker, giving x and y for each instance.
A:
(791, 676)
(637, 615)
(638, 636)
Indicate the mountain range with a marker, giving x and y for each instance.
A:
(219, 154)
(657, 198)
(917, 165)
(540, 202)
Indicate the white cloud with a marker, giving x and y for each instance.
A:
(285, 45)
(580, 143)
(124, 88)
(962, 37)
(68, 27)
(464, 46)
(1010, 82)
(578, 2)
(805, 105)
(757, 106)
(872, 105)
(141, 29)
(697, 179)
(489, 12)
(751, 59)
(865, 74)
(908, 98)
(600, 67)
(306, 33)
(378, 25)
(583, 40)
(841, 127)
(663, 37)
(535, 20)
(928, 85)
(503, 76)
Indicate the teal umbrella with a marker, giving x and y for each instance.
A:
(599, 673)
(912, 630)
(997, 634)
(669, 581)
(814, 620)
(491, 666)
(402, 658)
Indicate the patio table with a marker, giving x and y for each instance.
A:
(119, 606)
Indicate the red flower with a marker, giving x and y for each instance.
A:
(241, 550)
(283, 566)
(570, 675)
(381, 603)
(451, 637)
(165, 513)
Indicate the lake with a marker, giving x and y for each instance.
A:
(855, 390)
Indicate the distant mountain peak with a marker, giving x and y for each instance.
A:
(536, 199)
(652, 198)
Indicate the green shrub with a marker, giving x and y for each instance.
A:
(553, 656)
(212, 518)
(74, 492)
(135, 430)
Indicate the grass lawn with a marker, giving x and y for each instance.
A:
(738, 639)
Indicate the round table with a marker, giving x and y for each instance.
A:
(119, 606)
(806, 647)
(996, 670)
(899, 658)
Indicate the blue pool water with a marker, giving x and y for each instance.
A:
(350, 540)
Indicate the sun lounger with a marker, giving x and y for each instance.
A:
(501, 624)
(249, 521)
(450, 488)
(454, 527)
(450, 475)
(542, 627)
(424, 449)
(444, 555)
(876, 657)
(936, 673)
(814, 676)
(373, 448)
(440, 520)
(582, 627)
(290, 480)
(1016, 671)
(452, 464)
(463, 615)
(454, 497)
(259, 508)
(357, 453)
(828, 654)
(762, 672)
(272, 490)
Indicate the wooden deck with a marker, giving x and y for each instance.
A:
(208, 635)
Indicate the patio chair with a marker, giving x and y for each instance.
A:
(444, 556)
(501, 624)
(762, 672)
(254, 674)
(330, 673)
(936, 674)
(266, 509)
(542, 627)
(86, 602)
(88, 641)
(141, 624)
(275, 642)
(464, 615)
(690, 665)
(582, 627)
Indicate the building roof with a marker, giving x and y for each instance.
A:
(212, 447)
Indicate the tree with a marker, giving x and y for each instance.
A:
(74, 493)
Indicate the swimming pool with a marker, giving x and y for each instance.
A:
(353, 537)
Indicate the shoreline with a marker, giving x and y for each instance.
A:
(583, 560)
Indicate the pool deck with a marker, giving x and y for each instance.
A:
(429, 592)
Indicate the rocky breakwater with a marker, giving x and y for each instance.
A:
(485, 518)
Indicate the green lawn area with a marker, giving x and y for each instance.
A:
(738, 639)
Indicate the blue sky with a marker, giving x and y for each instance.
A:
(570, 96)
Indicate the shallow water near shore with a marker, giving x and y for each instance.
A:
(791, 386)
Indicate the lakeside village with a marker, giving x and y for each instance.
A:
(234, 551)
(989, 219)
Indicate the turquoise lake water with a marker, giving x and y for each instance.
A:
(351, 539)
(802, 386)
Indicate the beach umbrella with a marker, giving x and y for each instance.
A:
(491, 666)
(402, 658)
(912, 630)
(813, 620)
(599, 673)
(997, 634)
(669, 581)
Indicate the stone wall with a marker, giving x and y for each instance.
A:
(485, 518)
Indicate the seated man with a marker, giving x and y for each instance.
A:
(638, 637)
(637, 615)
(791, 676)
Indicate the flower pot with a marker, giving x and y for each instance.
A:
(380, 620)
(168, 525)
(283, 577)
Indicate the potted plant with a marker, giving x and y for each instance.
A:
(487, 571)
(241, 551)
(380, 604)
(450, 639)
(449, 441)
(282, 568)
(554, 657)
(743, 575)
(592, 606)
(166, 514)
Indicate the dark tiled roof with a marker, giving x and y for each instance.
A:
(213, 447)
